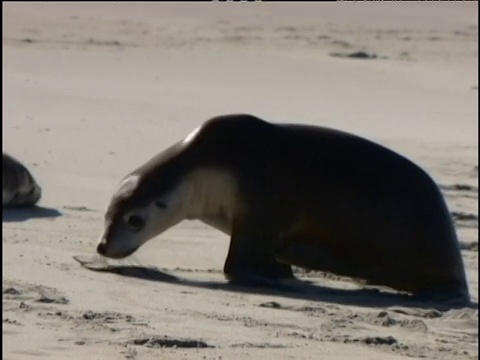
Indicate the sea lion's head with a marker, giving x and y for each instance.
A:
(137, 212)
(146, 206)
(19, 186)
(173, 186)
(25, 195)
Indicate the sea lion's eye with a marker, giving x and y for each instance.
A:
(135, 222)
(160, 204)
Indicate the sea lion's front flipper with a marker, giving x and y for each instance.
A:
(251, 258)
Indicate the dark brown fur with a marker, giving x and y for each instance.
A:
(321, 199)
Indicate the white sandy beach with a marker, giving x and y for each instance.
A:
(92, 90)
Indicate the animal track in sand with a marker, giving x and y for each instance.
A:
(341, 326)
(36, 293)
(51, 308)
(383, 318)
(309, 310)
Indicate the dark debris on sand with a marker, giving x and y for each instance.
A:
(165, 342)
(355, 55)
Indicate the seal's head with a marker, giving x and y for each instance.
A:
(179, 183)
(26, 194)
(146, 206)
(19, 186)
(136, 214)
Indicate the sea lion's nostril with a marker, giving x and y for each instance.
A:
(102, 247)
(135, 222)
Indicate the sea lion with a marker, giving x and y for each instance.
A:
(291, 194)
(19, 186)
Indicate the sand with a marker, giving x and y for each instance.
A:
(93, 90)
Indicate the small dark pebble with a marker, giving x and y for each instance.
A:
(89, 315)
(23, 305)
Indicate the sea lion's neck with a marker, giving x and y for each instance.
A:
(211, 197)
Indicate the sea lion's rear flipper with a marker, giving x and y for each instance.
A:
(449, 295)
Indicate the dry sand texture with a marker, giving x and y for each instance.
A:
(93, 90)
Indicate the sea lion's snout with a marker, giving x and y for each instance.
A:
(102, 247)
(117, 244)
(112, 252)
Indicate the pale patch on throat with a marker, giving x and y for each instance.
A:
(211, 196)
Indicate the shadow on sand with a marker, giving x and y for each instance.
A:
(18, 214)
(294, 289)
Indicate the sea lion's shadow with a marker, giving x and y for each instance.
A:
(18, 214)
(296, 289)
